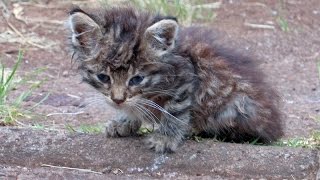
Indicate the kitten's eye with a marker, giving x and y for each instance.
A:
(103, 78)
(136, 80)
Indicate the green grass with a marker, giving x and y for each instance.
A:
(11, 111)
(312, 142)
(283, 23)
(99, 128)
(187, 11)
(86, 128)
(281, 20)
(38, 126)
(145, 130)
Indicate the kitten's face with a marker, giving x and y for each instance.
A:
(126, 60)
(125, 87)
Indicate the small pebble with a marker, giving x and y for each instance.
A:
(274, 12)
(117, 171)
(303, 167)
(286, 156)
(65, 73)
(106, 170)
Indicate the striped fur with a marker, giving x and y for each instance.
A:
(152, 70)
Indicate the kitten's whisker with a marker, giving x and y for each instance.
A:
(165, 92)
(156, 106)
(152, 115)
(191, 74)
(165, 132)
(94, 99)
(144, 114)
(94, 102)
(137, 112)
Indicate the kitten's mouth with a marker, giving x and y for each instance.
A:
(119, 106)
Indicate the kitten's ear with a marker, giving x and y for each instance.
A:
(161, 36)
(86, 33)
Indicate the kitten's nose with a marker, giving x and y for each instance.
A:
(118, 101)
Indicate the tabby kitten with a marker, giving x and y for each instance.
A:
(152, 70)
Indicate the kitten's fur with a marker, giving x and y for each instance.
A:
(152, 70)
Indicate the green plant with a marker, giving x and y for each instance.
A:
(11, 110)
(91, 129)
(187, 11)
(283, 23)
(145, 130)
(86, 128)
(312, 142)
(38, 126)
(197, 138)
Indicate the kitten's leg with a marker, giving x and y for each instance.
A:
(122, 125)
(173, 128)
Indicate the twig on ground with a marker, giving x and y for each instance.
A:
(314, 56)
(55, 6)
(22, 36)
(259, 26)
(74, 96)
(15, 30)
(20, 123)
(215, 5)
(70, 168)
(17, 13)
(255, 4)
(76, 113)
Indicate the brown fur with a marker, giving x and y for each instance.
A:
(177, 78)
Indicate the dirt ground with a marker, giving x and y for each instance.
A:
(283, 36)
(288, 55)
(83, 156)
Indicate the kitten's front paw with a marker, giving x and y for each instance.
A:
(161, 143)
(122, 128)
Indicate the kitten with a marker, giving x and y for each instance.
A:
(152, 70)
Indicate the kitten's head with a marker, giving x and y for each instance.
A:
(124, 54)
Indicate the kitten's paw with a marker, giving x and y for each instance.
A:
(161, 143)
(122, 128)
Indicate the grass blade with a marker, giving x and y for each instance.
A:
(15, 67)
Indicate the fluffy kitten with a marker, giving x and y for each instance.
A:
(151, 69)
